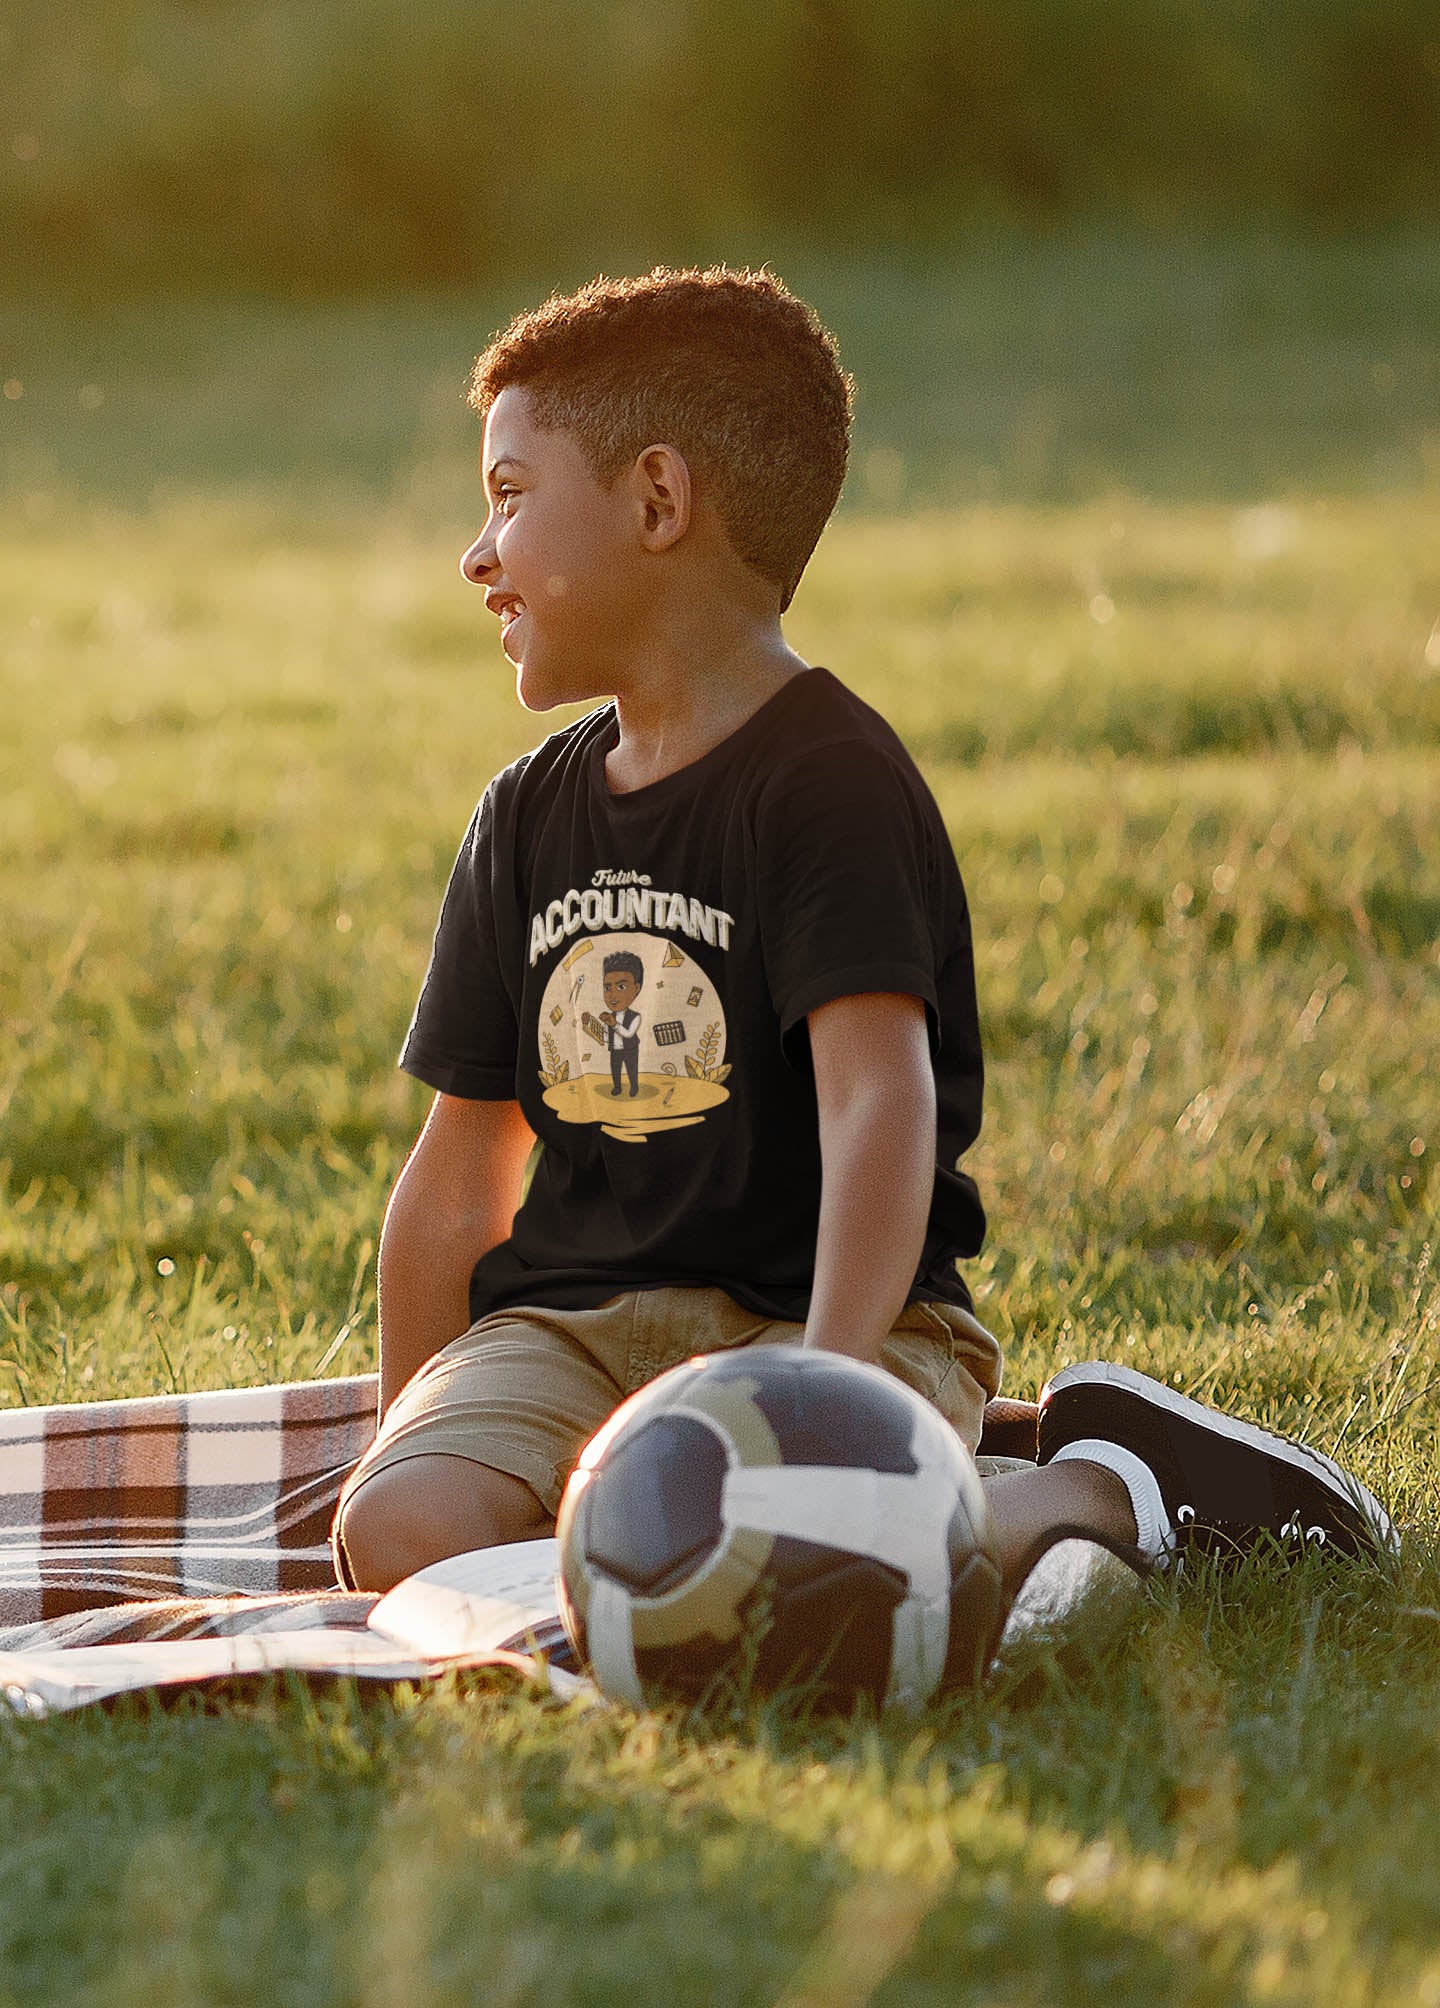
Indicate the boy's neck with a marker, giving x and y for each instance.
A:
(675, 708)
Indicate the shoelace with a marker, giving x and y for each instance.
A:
(1291, 1531)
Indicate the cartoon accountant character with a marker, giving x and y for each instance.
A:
(621, 978)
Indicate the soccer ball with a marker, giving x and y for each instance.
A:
(778, 1515)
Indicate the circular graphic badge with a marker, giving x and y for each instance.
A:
(631, 1037)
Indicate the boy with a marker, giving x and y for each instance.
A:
(660, 457)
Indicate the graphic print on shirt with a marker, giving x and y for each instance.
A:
(631, 1036)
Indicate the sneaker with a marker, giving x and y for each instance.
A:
(1225, 1484)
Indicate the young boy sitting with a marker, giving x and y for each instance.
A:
(710, 946)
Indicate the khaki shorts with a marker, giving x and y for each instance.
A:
(525, 1389)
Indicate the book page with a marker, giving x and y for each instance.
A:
(481, 1602)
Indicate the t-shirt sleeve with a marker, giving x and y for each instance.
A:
(844, 876)
(462, 1039)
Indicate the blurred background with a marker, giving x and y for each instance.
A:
(1187, 247)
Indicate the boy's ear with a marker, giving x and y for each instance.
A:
(662, 485)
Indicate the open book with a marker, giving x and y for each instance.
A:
(496, 1607)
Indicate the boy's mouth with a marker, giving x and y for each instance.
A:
(508, 608)
(507, 605)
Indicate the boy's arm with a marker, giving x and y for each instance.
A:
(454, 1200)
(875, 1086)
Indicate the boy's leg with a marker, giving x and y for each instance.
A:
(475, 1450)
(424, 1510)
(947, 1356)
(1026, 1508)
(614, 1070)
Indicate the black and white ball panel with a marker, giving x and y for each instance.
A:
(659, 1513)
(977, 1618)
(813, 1618)
(810, 1403)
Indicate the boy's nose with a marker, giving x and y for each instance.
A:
(479, 561)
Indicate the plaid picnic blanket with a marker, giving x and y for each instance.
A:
(174, 1496)
(167, 1618)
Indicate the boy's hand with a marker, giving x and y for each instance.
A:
(453, 1202)
(875, 1087)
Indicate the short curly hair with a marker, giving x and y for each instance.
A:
(725, 365)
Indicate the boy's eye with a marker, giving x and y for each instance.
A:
(504, 496)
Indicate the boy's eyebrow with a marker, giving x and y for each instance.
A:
(505, 460)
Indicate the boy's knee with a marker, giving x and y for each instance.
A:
(406, 1516)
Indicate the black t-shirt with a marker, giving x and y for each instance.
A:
(636, 970)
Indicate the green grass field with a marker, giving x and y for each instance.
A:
(1189, 753)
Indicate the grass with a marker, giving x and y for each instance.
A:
(1188, 751)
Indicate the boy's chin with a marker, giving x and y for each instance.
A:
(541, 689)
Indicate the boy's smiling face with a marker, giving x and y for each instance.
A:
(558, 558)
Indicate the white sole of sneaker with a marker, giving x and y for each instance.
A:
(1300, 1455)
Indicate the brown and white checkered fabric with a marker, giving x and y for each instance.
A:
(198, 1495)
